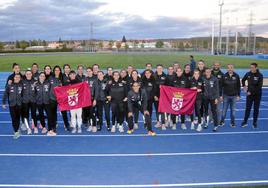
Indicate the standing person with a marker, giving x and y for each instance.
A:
(29, 101)
(76, 114)
(230, 93)
(192, 63)
(170, 76)
(181, 81)
(148, 84)
(254, 92)
(42, 95)
(66, 81)
(117, 94)
(101, 101)
(16, 70)
(55, 81)
(130, 68)
(109, 75)
(124, 79)
(216, 71)
(13, 93)
(137, 101)
(95, 69)
(160, 79)
(197, 84)
(211, 95)
(47, 71)
(134, 77)
(149, 67)
(81, 78)
(169, 82)
(201, 67)
(90, 112)
(35, 72)
(80, 73)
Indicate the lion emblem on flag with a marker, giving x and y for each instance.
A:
(177, 101)
(72, 97)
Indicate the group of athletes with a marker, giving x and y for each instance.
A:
(127, 94)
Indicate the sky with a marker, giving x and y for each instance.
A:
(136, 19)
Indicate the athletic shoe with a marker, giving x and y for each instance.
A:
(183, 126)
(232, 125)
(113, 130)
(130, 131)
(164, 127)
(151, 133)
(255, 126)
(23, 127)
(94, 129)
(79, 130)
(89, 129)
(68, 129)
(158, 125)
(33, 126)
(74, 130)
(244, 124)
(136, 126)
(51, 133)
(205, 126)
(100, 127)
(44, 130)
(199, 128)
(222, 123)
(121, 129)
(35, 130)
(215, 129)
(29, 131)
(192, 126)
(16, 135)
(174, 127)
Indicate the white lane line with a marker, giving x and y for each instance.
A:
(144, 135)
(142, 185)
(128, 154)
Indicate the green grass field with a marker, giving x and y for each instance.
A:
(121, 60)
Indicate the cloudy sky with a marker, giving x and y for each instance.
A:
(137, 19)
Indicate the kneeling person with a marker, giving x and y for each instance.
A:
(137, 102)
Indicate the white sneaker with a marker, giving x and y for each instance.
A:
(136, 126)
(121, 129)
(29, 131)
(113, 130)
(174, 127)
(79, 130)
(35, 130)
(89, 129)
(23, 127)
(199, 128)
(158, 125)
(94, 129)
(74, 130)
(164, 127)
(183, 126)
(192, 126)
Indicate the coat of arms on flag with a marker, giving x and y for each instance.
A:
(72, 97)
(177, 101)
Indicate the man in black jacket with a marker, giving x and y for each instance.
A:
(230, 93)
(254, 92)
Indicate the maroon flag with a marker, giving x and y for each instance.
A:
(73, 96)
(176, 100)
